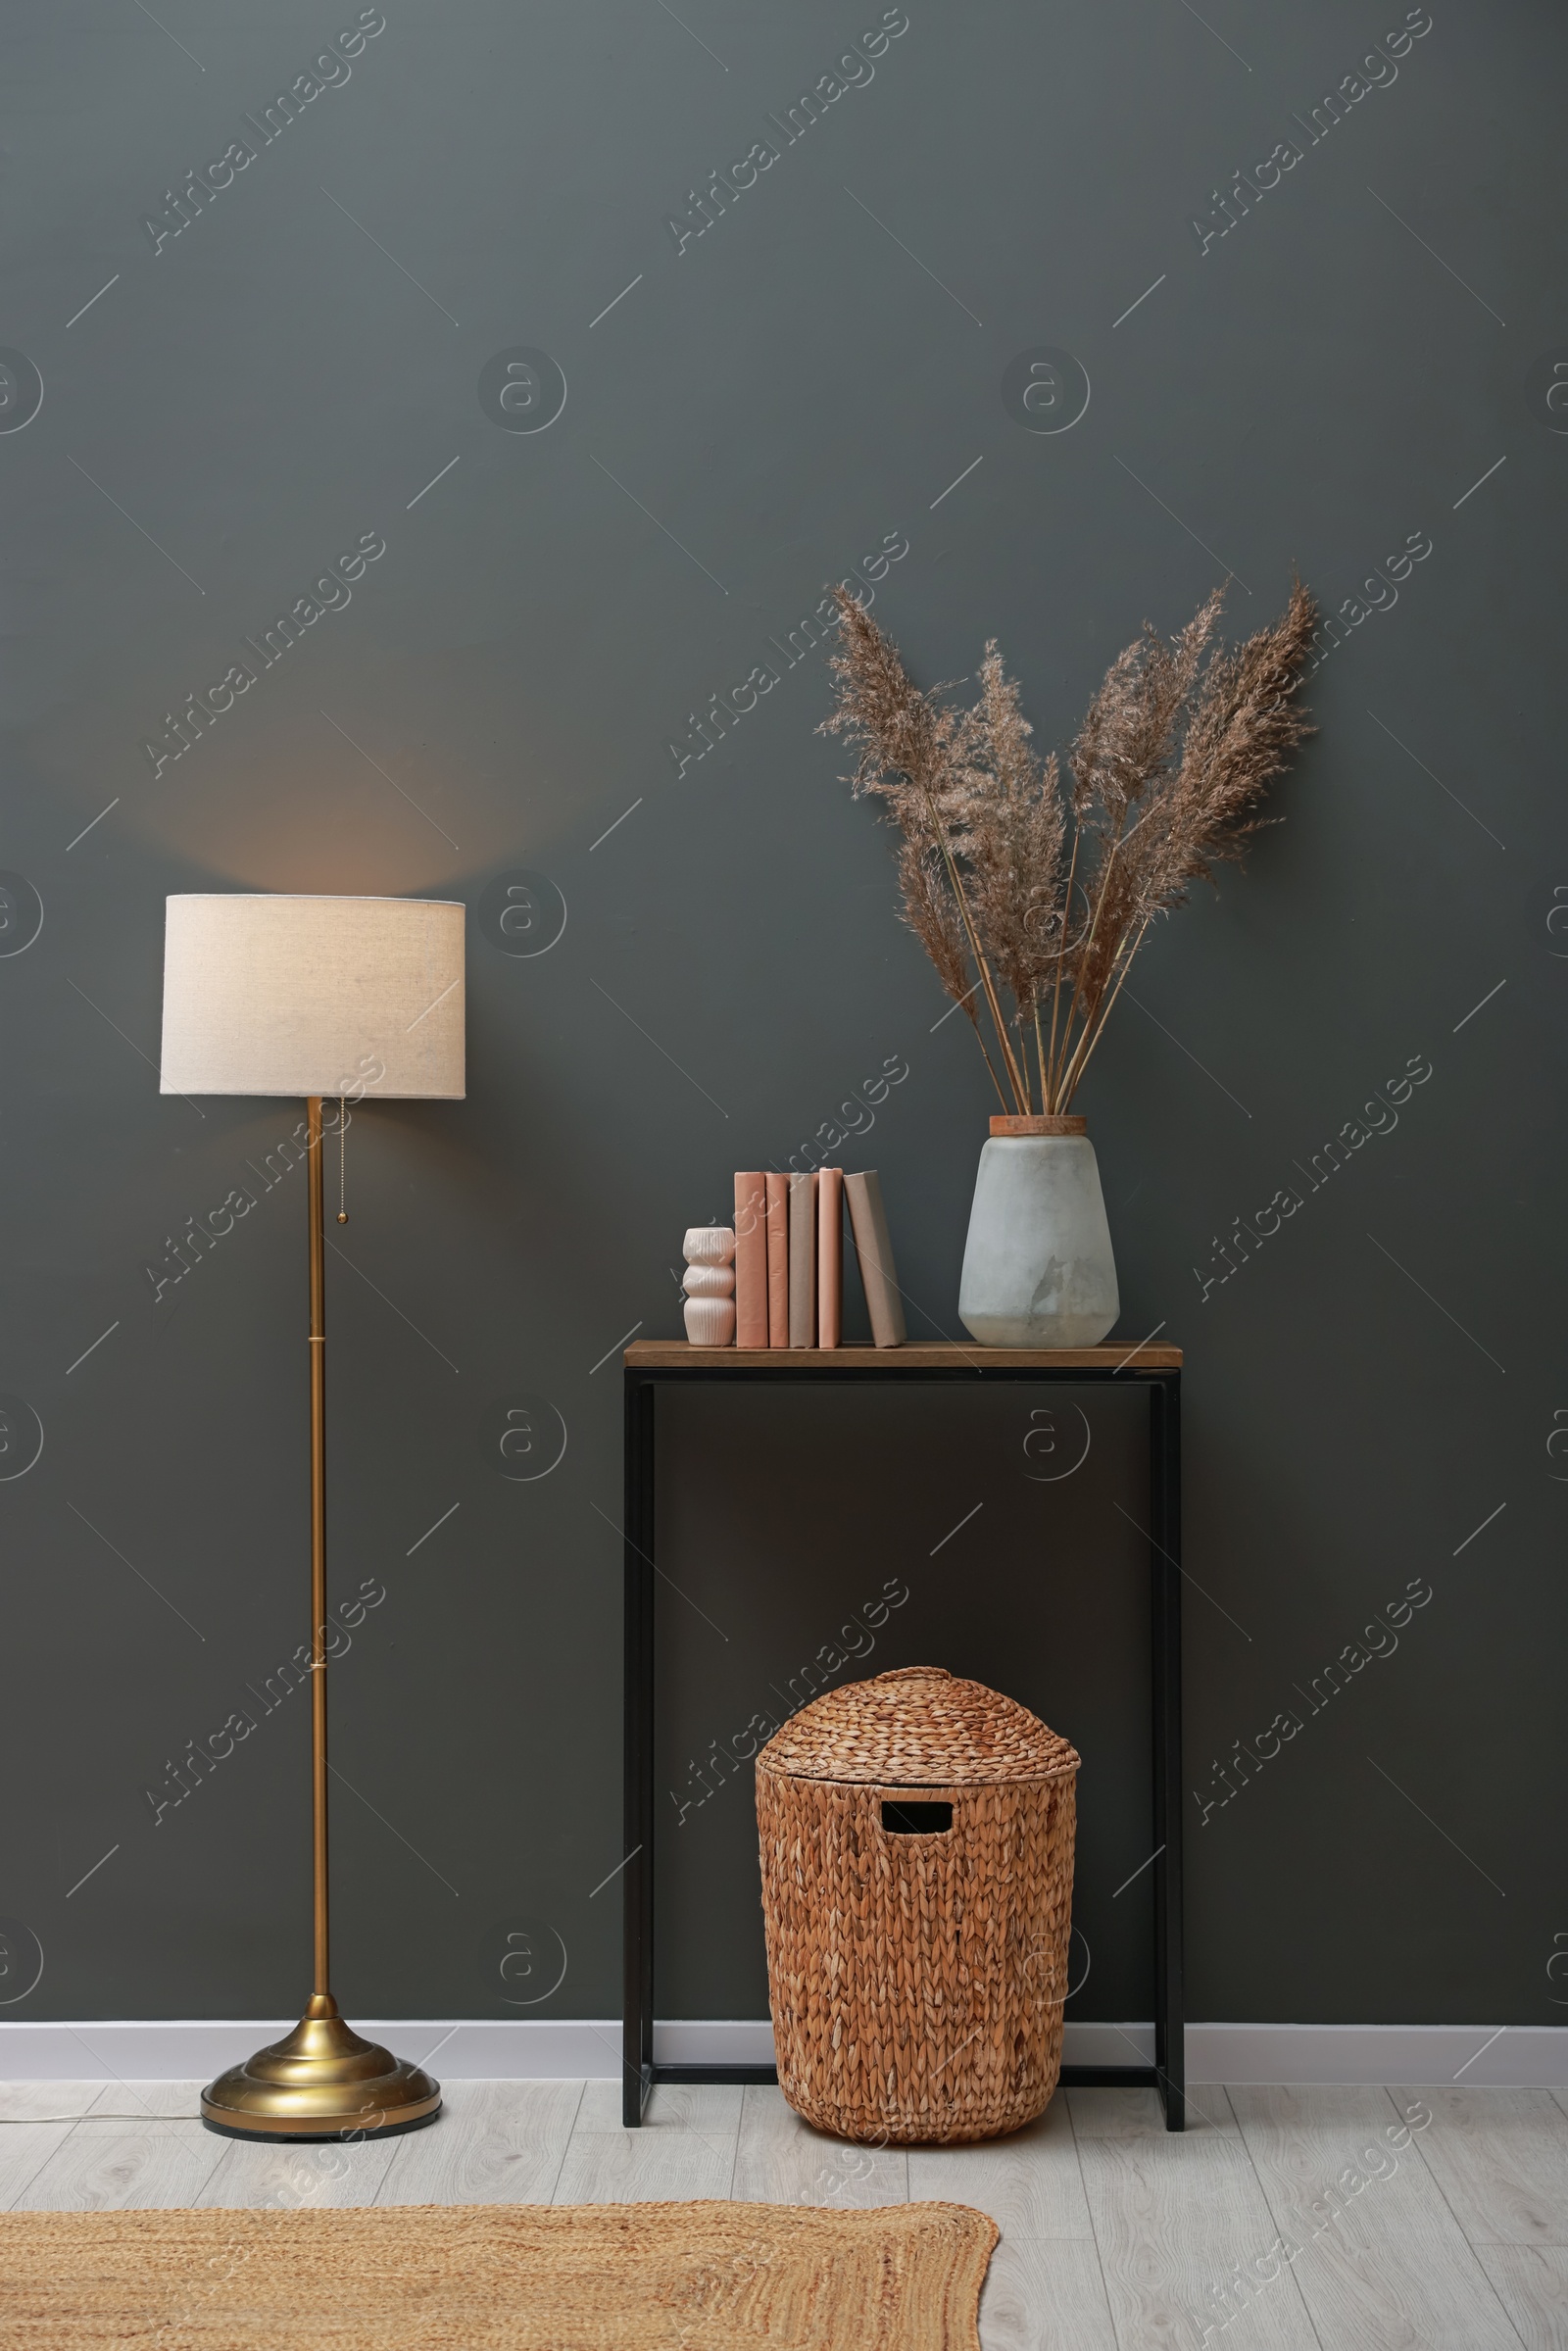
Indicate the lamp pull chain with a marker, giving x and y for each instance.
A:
(342, 1162)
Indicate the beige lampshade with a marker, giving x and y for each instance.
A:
(298, 995)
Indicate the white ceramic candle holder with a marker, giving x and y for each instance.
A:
(710, 1254)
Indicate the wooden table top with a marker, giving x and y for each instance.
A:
(678, 1354)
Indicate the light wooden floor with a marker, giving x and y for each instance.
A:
(1115, 2236)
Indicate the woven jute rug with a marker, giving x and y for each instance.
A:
(498, 2277)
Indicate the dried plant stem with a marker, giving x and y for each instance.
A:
(1040, 1054)
(939, 830)
(1085, 1013)
(1086, 1042)
(1089, 1011)
(980, 1041)
(1023, 1062)
(1083, 959)
(1072, 1070)
(1048, 1091)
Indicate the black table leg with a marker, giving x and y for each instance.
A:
(1165, 1593)
(637, 2024)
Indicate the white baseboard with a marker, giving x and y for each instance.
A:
(706, 2044)
(541, 2048)
(1424, 2057)
(500, 2049)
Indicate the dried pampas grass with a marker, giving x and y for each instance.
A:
(1017, 886)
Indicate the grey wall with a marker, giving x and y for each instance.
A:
(1372, 1393)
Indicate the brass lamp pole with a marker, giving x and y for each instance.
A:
(321, 2079)
(259, 989)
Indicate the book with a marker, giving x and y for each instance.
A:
(829, 1255)
(803, 1261)
(778, 1260)
(868, 1222)
(750, 1259)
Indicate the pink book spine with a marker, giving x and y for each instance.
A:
(829, 1255)
(778, 1260)
(750, 1259)
(803, 1261)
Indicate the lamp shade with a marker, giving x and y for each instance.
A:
(300, 996)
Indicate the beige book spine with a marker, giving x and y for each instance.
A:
(803, 1261)
(829, 1257)
(868, 1221)
(778, 1260)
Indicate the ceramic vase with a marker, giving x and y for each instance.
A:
(1038, 1269)
(710, 1309)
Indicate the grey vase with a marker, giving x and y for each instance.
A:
(1038, 1269)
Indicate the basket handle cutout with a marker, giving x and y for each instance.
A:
(916, 1820)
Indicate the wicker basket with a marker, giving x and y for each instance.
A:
(917, 1838)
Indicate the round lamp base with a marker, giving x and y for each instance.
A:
(321, 2081)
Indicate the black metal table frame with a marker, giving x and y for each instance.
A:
(1168, 2072)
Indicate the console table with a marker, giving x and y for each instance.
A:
(652, 1364)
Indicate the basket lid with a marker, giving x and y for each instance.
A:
(919, 1726)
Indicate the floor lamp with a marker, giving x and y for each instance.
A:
(315, 996)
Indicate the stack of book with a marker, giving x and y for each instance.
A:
(789, 1259)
